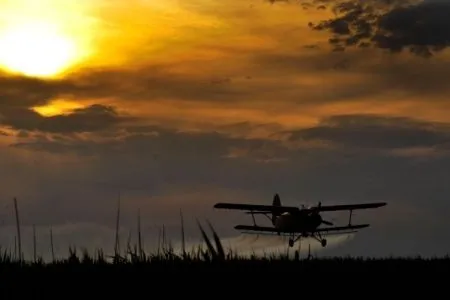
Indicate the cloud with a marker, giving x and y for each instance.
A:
(419, 26)
(354, 132)
(377, 132)
(158, 144)
(107, 82)
(21, 91)
(93, 118)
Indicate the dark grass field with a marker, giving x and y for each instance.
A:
(82, 276)
(205, 262)
(205, 273)
(211, 271)
(211, 257)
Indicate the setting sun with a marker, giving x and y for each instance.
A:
(36, 49)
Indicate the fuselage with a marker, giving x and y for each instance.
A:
(299, 222)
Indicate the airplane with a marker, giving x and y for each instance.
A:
(298, 222)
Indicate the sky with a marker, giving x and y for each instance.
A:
(177, 105)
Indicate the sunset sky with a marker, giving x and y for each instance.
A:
(179, 104)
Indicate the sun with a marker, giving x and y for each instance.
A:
(36, 49)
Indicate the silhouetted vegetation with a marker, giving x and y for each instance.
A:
(140, 273)
(83, 271)
(213, 256)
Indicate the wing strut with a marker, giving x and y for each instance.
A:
(350, 218)
(254, 221)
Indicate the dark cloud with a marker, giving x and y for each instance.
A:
(370, 75)
(353, 132)
(21, 91)
(90, 119)
(161, 144)
(148, 83)
(393, 25)
(377, 132)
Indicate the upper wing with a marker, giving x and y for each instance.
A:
(256, 207)
(282, 209)
(350, 206)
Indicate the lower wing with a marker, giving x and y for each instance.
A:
(328, 230)
(256, 228)
(341, 228)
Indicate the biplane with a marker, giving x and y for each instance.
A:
(298, 222)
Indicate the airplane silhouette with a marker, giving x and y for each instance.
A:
(298, 222)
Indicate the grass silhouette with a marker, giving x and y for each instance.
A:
(210, 256)
(213, 256)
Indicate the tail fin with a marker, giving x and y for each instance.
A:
(276, 202)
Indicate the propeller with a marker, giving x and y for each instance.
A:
(323, 221)
(316, 211)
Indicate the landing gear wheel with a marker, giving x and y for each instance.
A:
(291, 243)
(324, 242)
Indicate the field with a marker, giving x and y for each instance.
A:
(204, 261)
(200, 273)
(204, 270)
(134, 271)
(212, 257)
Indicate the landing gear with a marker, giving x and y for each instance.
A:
(319, 238)
(293, 239)
(316, 236)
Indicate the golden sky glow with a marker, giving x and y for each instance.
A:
(213, 47)
(57, 107)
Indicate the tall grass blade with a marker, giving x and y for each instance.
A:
(15, 247)
(128, 249)
(159, 241)
(163, 238)
(18, 230)
(34, 244)
(207, 241)
(117, 246)
(183, 245)
(221, 252)
(139, 234)
(51, 244)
